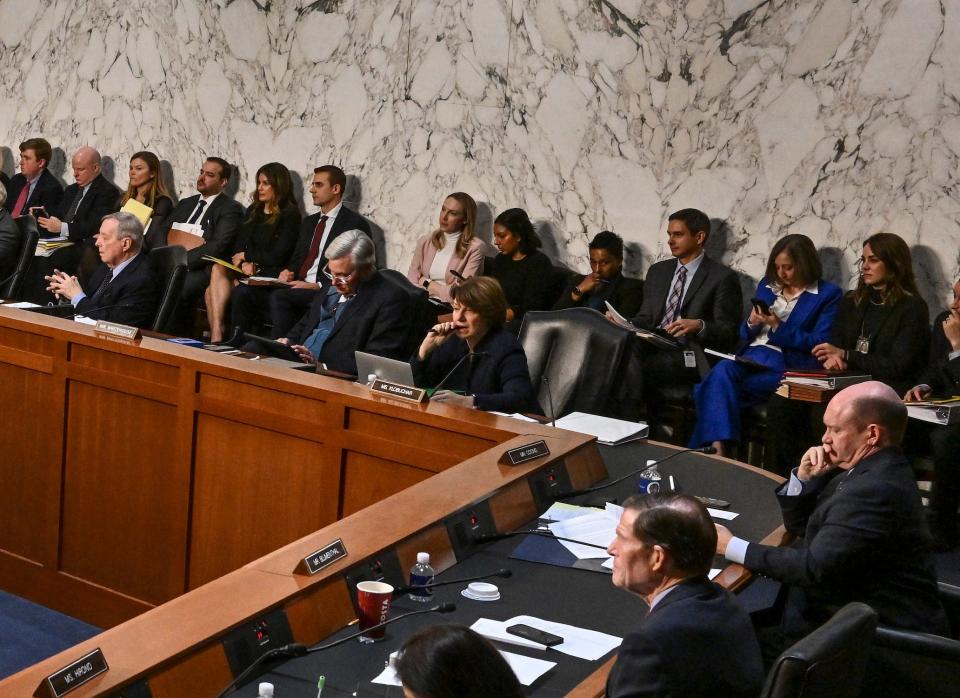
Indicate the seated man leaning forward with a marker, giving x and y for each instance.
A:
(696, 638)
(478, 362)
(855, 503)
(361, 310)
(123, 287)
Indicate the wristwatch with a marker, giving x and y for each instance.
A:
(577, 291)
(426, 283)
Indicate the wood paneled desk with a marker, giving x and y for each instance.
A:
(178, 648)
(136, 471)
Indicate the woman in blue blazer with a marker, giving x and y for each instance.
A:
(802, 308)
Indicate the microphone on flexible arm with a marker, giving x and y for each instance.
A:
(490, 537)
(87, 312)
(298, 649)
(469, 355)
(504, 573)
(546, 384)
(703, 449)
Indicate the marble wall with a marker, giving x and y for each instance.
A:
(833, 118)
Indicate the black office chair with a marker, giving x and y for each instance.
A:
(830, 661)
(576, 359)
(170, 266)
(950, 598)
(424, 313)
(29, 235)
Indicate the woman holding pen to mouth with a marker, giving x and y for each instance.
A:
(474, 355)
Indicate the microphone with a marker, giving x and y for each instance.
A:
(297, 649)
(469, 355)
(504, 573)
(703, 449)
(490, 537)
(546, 384)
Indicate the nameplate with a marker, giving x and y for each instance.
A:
(403, 392)
(117, 330)
(522, 454)
(326, 556)
(74, 675)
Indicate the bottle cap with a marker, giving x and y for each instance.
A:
(371, 377)
(423, 558)
(265, 690)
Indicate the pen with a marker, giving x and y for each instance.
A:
(320, 684)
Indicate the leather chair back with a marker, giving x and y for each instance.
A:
(29, 235)
(950, 598)
(424, 313)
(580, 353)
(830, 661)
(909, 663)
(170, 266)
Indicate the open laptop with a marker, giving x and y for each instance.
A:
(383, 368)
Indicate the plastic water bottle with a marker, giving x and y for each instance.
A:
(421, 574)
(650, 478)
(265, 690)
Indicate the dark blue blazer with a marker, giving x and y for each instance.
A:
(129, 299)
(697, 641)
(47, 193)
(809, 324)
(497, 376)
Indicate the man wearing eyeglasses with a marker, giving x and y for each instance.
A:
(251, 304)
(360, 310)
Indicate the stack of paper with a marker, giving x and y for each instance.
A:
(527, 669)
(142, 212)
(599, 528)
(607, 430)
(945, 411)
(577, 642)
(47, 246)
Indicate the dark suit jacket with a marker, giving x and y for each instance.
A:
(899, 349)
(697, 641)
(943, 373)
(47, 193)
(864, 539)
(346, 220)
(713, 296)
(809, 324)
(9, 245)
(220, 223)
(623, 293)
(376, 321)
(129, 299)
(497, 376)
(101, 198)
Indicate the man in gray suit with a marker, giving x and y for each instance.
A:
(691, 299)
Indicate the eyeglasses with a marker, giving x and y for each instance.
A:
(337, 278)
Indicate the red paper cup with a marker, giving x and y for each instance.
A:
(373, 598)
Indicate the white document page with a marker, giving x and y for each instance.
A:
(526, 669)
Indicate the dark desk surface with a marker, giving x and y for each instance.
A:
(577, 597)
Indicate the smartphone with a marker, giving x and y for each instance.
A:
(457, 274)
(528, 632)
(39, 212)
(760, 305)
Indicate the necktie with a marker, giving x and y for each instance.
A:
(673, 302)
(21, 200)
(199, 212)
(314, 248)
(74, 205)
(102, 287)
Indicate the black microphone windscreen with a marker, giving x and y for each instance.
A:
(708, 450)
(446, 608)
(505, 573)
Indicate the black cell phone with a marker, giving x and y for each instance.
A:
(761, 305)
(541, 637)
(715, 503)
(457, 274)
(39, 212)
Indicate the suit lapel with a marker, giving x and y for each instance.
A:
(364, 293)
(806, 304)
(695, 284)
(663, 291)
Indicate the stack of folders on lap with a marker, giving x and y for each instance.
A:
(659, 340)
(47, 246)
(816, 386)
(945, 411)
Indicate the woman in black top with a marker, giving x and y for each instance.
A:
(264, 244)
(146, 186)
(522, 270)
(882, 330)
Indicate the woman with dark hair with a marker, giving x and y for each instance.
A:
(474, 355)
(146, 186)
(794, 313)
(882, 330)
(524, 272)
(453, 660)
(450, 248)
(264, 244)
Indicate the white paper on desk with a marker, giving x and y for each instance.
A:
(561, 511)
(497, 630)
(526, 669)
(598, 529)
(515, 415)
(577, 642)
(21, 304)
(84, 320)
(721, 514)
(606, 429)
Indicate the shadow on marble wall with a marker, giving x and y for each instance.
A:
(931, 278)
(296, 183)
(168, 177)
(58, 166)
(552, 240)
(108, 168)
(835, 266)
(633, 259)
(484, 226)
(7, 166)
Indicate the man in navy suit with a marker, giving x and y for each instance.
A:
(696, 639)
(252, 304)
(218, 217)
(855, 503)
(123, 288)
(33, 186)
(360, 310)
